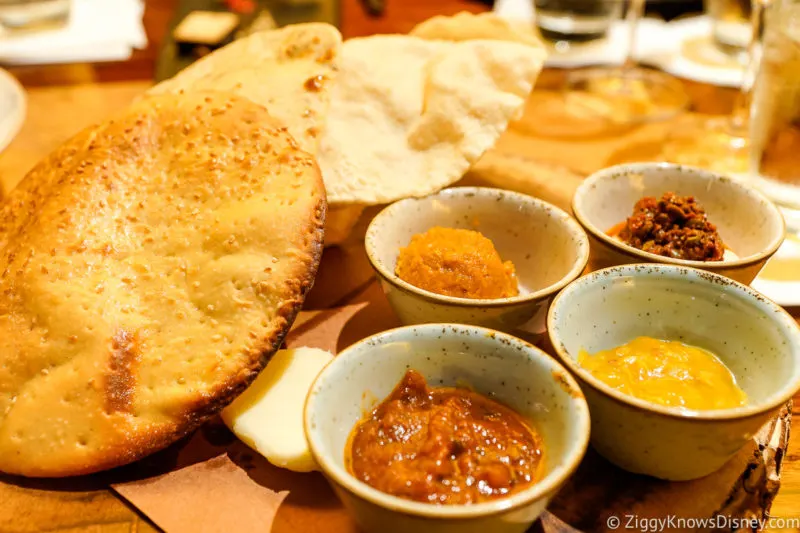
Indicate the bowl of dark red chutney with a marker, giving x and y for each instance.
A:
(678, 215)
(442, 427)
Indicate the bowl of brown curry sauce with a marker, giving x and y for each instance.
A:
(441, 427)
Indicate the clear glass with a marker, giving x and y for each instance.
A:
(721, 143)
(607, 98)
(730, 22)
(775, 110)
(30, 15)
(567, 21)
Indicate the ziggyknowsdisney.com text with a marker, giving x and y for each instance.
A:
(672, 523)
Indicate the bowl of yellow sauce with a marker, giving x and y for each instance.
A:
(680, 366)
(669, 373)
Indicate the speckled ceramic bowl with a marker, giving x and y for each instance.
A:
(548, 248)
(757, 340)
(492, 363)
(749, 224)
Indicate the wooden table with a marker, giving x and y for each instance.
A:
(55, 112)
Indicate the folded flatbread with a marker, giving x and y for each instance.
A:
(149, 268)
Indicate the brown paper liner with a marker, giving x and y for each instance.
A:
(215, 495)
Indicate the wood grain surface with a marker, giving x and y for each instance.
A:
(56, 112)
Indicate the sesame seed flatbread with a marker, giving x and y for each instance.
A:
(148, 270)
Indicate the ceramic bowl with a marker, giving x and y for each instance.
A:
(492, 363)
(757, 340)
(749, 224)
(548, 248)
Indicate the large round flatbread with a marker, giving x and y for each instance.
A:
(148, 270)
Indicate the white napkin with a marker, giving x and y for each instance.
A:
(515, 9)
(98, 30)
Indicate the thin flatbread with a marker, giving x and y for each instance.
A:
(149, 269)
(289, 71)
(409, 116)
(467, 26)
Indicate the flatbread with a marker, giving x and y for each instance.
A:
(408, 116)
(289, 71)
(149, 269)
(467, 26)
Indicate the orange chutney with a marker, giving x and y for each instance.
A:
(443, 445)
(456, 262)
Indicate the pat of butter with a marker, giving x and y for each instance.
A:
(268, 416)
(205, 27)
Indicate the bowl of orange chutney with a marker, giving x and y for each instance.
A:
(476, 255)
(441, 427)
(680, 366)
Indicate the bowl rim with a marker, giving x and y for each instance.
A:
(582, 248)
(630, 168)
(680, 274)
(548, 485)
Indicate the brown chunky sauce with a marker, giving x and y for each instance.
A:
(673, 226)
(443, 445)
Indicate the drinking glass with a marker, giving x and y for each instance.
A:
(730, 23)
(721, 143)
(600, 99)
(575, 20)
(775, 111)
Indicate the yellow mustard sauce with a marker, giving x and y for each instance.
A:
(667, 373)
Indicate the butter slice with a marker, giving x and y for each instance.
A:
(206, 27)
(268, 416)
